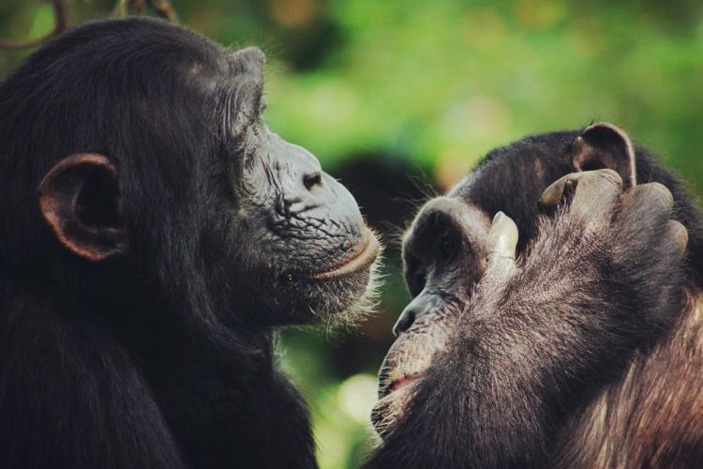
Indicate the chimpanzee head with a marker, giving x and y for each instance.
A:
(135, 163)
(444, 248)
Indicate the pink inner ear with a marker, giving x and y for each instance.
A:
(59, 192)
(606, 146)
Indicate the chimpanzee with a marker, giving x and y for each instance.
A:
(585, 350)
(153, 231)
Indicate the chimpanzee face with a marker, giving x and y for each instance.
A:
(443, 253)
(307, 241)
(192, 178)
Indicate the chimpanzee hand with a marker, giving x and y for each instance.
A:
(541, 333)
(520, 346)
(624, 245)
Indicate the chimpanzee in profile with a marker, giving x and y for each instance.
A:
(585, 350)
(153, 232)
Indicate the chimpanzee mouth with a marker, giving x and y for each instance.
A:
(406, 366)
(362, 258)
(388, 385)
(394, 396)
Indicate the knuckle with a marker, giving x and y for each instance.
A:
(601, 183)
(655, 195)
(503, 235)
(552, 195)
(606, 176)
(678, 234)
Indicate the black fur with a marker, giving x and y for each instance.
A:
(561, 363)
(159, 351)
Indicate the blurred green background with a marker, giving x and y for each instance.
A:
(399, 99)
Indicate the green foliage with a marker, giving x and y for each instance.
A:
(438, 84)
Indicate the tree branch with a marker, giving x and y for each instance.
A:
(61, 24)
(164, 9)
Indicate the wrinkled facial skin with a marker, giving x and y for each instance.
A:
(443, 252)
(307, 244)
(309, 217)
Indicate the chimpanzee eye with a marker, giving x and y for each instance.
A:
(417, 282)
(415, 275)
(447, 248)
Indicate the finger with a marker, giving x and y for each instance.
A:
(553, 195)
(597, 191)
(649, 204)
(591, 192)
(643, 223)
(501, 243)
(678, 238)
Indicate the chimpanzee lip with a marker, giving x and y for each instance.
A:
(387, 387)
(366, 252)
(402, 382)
(394, 397)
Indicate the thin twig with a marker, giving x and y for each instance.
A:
(164, 9)
(136, 7)
(61, 24)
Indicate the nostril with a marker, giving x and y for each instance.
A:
(404, 322)
(312, 180)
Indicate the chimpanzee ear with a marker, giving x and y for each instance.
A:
(605, 146)
(79, 200)
(250, 61)
(247, 66)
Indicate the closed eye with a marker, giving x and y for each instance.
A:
(415, 275)
(447, 248)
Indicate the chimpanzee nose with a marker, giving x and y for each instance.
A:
(308, 167)
(406, 319)
(302, 167)
(422, 304)
(312, 179)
